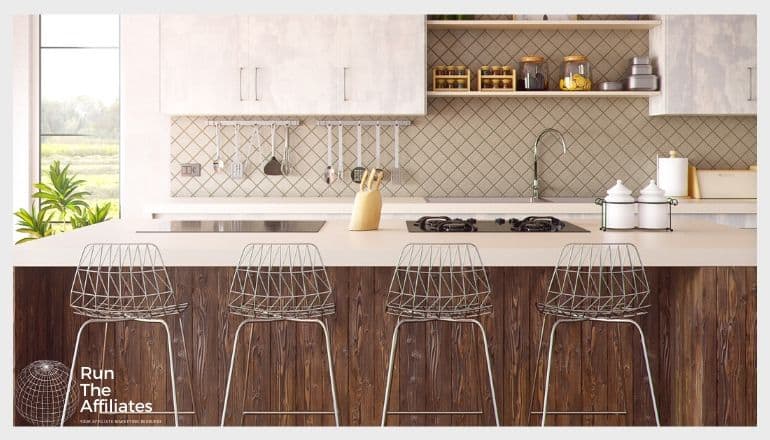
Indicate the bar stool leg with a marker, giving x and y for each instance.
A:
(101, 366)
(537, 370)
(391, 362)
(647, 364)
(72, 368)
(489, 368)
(331, 370)
(232, 364)
(548, 369)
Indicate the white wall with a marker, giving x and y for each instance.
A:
(144, 131)
(24, 107)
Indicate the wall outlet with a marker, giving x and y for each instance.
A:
(191, 170)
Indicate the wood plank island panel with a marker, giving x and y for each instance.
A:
(701, 335)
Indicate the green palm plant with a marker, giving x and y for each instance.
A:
(63, 194)
(35, 223)
(90, 216)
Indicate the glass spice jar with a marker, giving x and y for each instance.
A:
(460, 84)
(460, 70)
(441, 70)
(486, 83)
(532, 74)
(441, 84)
(497, 70)
(450, 83)
(507, 70)
(576, 73)
(495, 83)
(486, 70)
(507, 83)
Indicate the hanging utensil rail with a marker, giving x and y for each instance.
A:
(281, 123)
(365, 123)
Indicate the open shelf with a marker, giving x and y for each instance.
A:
(630, 25)
(544, 94)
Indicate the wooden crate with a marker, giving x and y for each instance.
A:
(480, 78)
(466, 77)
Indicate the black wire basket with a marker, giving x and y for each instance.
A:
(603, 203)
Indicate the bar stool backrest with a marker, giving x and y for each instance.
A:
(440, 280)
(120, 278)
(280, 279)
(598, 280)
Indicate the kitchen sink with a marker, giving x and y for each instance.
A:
(508, 200)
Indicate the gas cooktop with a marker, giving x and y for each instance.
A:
(527, 224)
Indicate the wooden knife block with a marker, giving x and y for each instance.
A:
(367, 208)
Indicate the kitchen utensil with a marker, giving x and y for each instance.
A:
(285, 167)
(378, 152)
(620, 207)
(236, 168)
(273, 166)
(340, 162)
(356, 174)
(654, 207)
(727, 184)
(395, 175)
(255, 144)
(610, 86)
(329, 174)
(672, 174)
(367, 205)
(218, 164)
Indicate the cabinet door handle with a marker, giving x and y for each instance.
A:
(345, 83)
(751, 94)
(256, 83)
(240, 83)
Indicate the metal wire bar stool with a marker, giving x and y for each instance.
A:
(438, 282)
(594, 282)
(117, 282)
(282, 282)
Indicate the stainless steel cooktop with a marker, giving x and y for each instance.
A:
(243, 226)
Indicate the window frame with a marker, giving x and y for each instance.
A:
(37, 108)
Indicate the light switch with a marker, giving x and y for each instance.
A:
(191, 170)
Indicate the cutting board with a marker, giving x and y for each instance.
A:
(727, 184)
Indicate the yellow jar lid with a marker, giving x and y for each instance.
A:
(572, 58)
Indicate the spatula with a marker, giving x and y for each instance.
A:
(357, 173)
(273, 166)
(395, 174)
(236, 167)
(329, 174)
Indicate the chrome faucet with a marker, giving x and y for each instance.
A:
(535, 183)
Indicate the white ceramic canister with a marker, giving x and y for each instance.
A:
(620, 207)
(672, 174)
(654, 207)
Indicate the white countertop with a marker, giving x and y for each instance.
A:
(693, 243)
(411, 206)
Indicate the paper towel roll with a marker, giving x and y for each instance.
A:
(672, 176)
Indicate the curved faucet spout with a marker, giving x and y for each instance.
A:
(535, 181)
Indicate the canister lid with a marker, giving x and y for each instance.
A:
(571, 58)
(652, 193)
(532, 59)
(619, 193)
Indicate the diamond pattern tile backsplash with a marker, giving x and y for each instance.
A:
(483, 146)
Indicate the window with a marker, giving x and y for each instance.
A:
(80, 101)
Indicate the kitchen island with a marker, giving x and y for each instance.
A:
(701, 331)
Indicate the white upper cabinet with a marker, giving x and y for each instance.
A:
(382, 59)
(201, 64)
(293, 65)
(707, 65)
